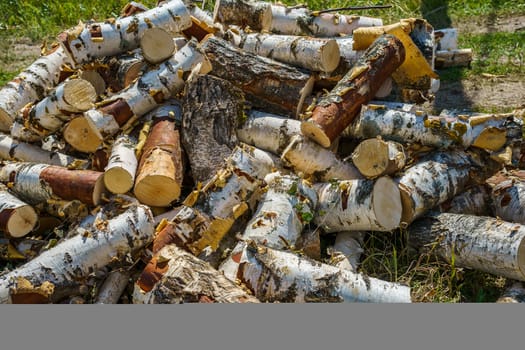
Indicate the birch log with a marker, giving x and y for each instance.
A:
(113, 287)
(314, 54)
(277, 276)
(376, 157)
(355, 205)
(48, 115)
(437, 178)
(36, 183)
(284, 210)
(119, 174)
(161, 169)
(336, 110)
(308, 158)
(487, 131)
(513, 294)
(473, 201)
(156, 45)
(454, 58)
(346, 252)
(478, 242)
(17, 218)
(212, 109)
(75, 258)
(508, 195)
(30, 85)
(121, 71)
(187, 279)
(301, 21)
(87, 42)
(254, 14)
(86, 133)
(269, 85)
(13, 150)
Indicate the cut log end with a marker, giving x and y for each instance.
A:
(81, 136)
(118, 180)
(157, 190)
(80, 94)
(5, 120)
(98, 190)
(491, 139)
(95, 79)
(408, 208)
(21, 221)
(157, 45)
(330, 56)
(375, 157)
(316, 133)
(387, 203)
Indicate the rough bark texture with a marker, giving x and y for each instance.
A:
(253, 14)
(478, 242)
(301, 21)
(508, 195)
(75, 258)
(30, 85)
(88, 41)
(274, 275)
(355, 205)
(37, 183)
(187, 279)
(336, 110)
(268, 84)
(212, 109)
(17, 218)
(473, 201)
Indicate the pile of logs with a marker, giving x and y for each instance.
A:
(170, 155)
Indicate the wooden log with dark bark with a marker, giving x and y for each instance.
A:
(17, 218)
(212, 111)
(269, 85)
(478, 242)
(336, 110)
(278, 276)
(36, 183)
(73, 259)
(187, 279)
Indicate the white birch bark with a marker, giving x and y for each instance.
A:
(346, 252)
(255, 14)
(508, 197)
(355, 205)
(315, 54)
(301, 21)
(30, 85)
(119, 174)
(432, 181)
(71, 96)
(307, 157)
(284, 210)
(85, 43)
(13, 150)
(275, 275)
(489, 132)
(473, 201)
(113, 287)
(17, 218)
(513, 294)
(479, 242)
(75, 258)
(188, 279)
(447, 39)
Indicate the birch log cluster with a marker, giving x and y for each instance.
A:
(172, 155)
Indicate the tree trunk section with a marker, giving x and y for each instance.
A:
(376, 157)
(508, 195)
(269, 85)
(75, 258)
(160, 171)
(356, 205)
(254, 14)
(212, 109)
(187, 279)
(17, 218)
(113, 287)
(277, 276)
(30, 85)
(336, 110)
(86, 42)
(301, 21)
(346, 251)
(453, 58)
(119, 174)
(473, 201)
(478, 242)
(121, 71)
(36, 183)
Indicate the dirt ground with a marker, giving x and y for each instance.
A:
(485, 92)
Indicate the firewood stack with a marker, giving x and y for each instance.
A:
(170, 155)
